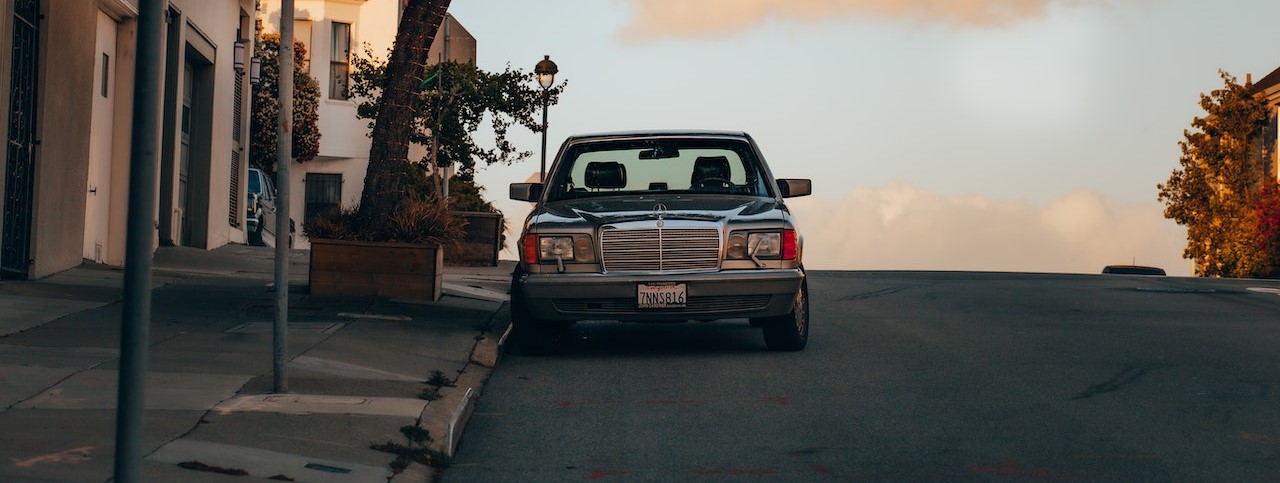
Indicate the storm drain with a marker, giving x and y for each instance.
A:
(269, 327)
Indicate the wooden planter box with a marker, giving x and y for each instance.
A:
(340, 267)
(481, 243)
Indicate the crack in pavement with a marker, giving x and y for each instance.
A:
(1129, 376)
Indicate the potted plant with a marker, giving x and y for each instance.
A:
(399, 256)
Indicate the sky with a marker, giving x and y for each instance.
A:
(991, 135)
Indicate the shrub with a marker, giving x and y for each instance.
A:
(415, 220)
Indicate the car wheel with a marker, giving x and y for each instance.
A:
(534, 336)
(789, 332)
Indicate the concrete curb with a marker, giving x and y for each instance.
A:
(446, 418)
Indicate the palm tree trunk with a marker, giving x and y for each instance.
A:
(384, 182)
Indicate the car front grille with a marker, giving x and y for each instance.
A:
(660, 249)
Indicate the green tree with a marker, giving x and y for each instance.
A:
(266, 106)
(1217, 192)
(450, 108)
(453, 104)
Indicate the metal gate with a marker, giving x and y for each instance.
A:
(19, 176)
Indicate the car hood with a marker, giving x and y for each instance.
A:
(595, 212)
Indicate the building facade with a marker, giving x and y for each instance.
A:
(68, 66)
(333, 31)
(1268, 88)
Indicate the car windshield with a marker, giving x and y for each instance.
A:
(651, 166)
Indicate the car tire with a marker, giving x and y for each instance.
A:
(534, 336)
(788, 332)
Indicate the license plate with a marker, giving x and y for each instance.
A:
(662, 296)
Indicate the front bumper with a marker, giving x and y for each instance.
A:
(716, 295)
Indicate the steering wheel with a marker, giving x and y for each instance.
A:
(702, 183)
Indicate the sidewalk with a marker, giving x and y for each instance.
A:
(357, 372)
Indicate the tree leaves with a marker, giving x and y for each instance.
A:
(266, 106)
(1218, 191)
(455, 105)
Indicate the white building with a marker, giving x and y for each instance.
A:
(67, 67)
(332, 31)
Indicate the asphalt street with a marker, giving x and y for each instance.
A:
(910, 377)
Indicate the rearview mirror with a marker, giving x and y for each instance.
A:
(526, 191)
(792, 188)
(660, 151)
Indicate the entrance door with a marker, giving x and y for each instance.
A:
(184, 153)
(97, 209)
(19, 176)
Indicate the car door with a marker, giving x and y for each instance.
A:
(268, 221)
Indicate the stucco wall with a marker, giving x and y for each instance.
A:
(352, 171)
(68, 35)
(66, 88)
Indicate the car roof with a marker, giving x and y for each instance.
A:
(658, 133)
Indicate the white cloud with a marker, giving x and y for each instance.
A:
(900, 227)
(710, 18)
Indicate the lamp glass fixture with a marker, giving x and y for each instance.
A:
(546, 71)
(255, 70)
(238, 59)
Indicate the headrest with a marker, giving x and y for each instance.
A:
(606, 175)
(706, 167)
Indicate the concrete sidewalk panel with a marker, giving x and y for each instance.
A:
(341, 437)
(321, 404)
(96, 389)
(345, 370)
(19, 313)
(61, 445)
(410, 349)
(265, 464)
(69, 357)
(19, 383)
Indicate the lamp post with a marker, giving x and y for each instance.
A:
(546, 71)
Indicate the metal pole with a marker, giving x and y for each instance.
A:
(542, 177)
(136, 316)
(284, 157)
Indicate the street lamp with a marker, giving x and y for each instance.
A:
(546, 71)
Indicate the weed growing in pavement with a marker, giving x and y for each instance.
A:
(416, 434)
(429, 394)
(198, 466)
(405, 455)
(438, 379)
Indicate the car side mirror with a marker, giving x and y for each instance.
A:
(526, 191)
(793, 188)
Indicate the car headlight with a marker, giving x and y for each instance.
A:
(767, 245)
(555, 248)
(558, 248)
(764, 245)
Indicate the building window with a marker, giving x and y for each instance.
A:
(340, 60)
(323, 194)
